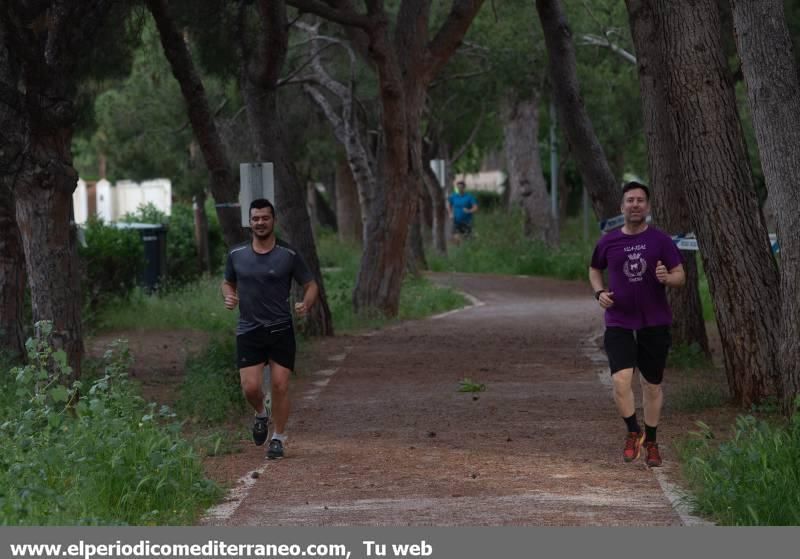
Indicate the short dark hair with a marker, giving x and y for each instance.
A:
(461, 183)
(633, 185)
(260, 204)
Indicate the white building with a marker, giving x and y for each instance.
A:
(110, 202)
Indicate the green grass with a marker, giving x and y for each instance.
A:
(751, 479)
(418, 298)
(499, 247)
(107, 459)
(196, 306)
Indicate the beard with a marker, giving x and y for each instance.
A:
(262, 233)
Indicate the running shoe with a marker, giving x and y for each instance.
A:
(260, 430)
(275, 449)
(633, 446)
(652, 456)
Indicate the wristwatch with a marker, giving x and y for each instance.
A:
(598, 292)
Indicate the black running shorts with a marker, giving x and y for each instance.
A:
(645, 349)
(265, 343)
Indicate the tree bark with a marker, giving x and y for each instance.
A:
(765, 49)
(12, 278)
(406, 59)
(224, 186)
(670, 207)
(525, 177)
(259, 85)
(348, 210)
(725, 215)
(589, 156)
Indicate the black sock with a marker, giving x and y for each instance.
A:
(649, 433)
(633, 425)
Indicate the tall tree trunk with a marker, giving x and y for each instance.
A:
(43, 191)
(348, 210)
(224, 187)
(670, 209)
(259, 89)
(765, 49)
(725, 215)
(592, 163)
(526, 179)
(439, 210)
(12, 278)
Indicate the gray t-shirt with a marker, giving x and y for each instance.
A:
(263, 282)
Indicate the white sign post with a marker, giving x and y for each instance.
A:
(256, 180)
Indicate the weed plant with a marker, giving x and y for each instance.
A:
(104, 459)
(751, 479)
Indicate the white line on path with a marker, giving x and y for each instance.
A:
(676, 496)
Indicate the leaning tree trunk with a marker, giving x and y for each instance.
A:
(525, 179)
(765, 48)
(670, 210)
(725, 215)
(259, 90)
(585, 147)
(348, 210)
(224, 187)
(12, 278)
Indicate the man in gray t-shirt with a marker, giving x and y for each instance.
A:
(258, 277)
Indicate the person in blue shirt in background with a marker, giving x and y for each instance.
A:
(460, 207)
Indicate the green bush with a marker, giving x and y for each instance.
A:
(752, 479)
(106, 459)
(113, 261)
(182, 263)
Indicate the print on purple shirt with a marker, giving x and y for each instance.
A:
(640, 300)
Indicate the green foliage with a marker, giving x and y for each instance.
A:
(752, 479)
(688, 357)
(197, 305)
(211, 395)
(419, 297)
(107, 458)
(497, 246)
(468, 385)
(113, 261)
(182, 262)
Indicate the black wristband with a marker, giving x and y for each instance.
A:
(597, 293)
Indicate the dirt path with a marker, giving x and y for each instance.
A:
(380, 434)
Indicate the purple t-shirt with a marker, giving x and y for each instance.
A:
(640, 300)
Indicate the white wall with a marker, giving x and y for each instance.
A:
(105, 201)
(80, 203)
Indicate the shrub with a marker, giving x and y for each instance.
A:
(105, 459)
(113, 261)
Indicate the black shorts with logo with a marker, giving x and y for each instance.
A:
(266, 343)
(645, 349)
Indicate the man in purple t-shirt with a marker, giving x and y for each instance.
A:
(641, 261)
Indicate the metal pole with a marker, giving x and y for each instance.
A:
(553, 164)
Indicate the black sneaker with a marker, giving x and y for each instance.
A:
(275, 449)
(260, 430)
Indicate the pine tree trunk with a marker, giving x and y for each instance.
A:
(765, 49)
(12, 278)
(43, 191)
(742, 273)
(439, 210)
(259, 91)
(348, 211)
(525, 178)
(670, 209)
(589, 156)
(224, 187)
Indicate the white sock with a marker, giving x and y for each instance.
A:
(280, 436)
